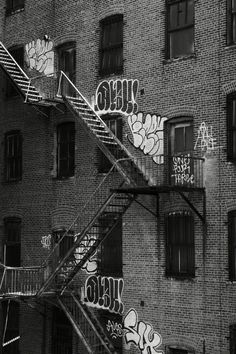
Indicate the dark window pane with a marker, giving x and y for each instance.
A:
(13, 5)
(13, 156)
(67, 63)
(231, 126)
(12, 228)
(181, 43)
(18, 55)
(66, 149)
(232, 244)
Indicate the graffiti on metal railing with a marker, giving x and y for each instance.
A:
(182, 166)
(141, 334)
(92, 264)
(40, 56)
(147, 131)
(115, 329)
(103, 293)
(205, 140)
(116, 96)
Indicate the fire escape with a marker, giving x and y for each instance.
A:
(137, 176)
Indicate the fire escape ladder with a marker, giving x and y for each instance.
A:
(86, 325)
(92, 233)
(113, 149)
(18, 77)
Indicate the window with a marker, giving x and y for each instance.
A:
(65, 149)
(18, 54)
(12, 247)
(114, 123)
(67, 63)
(11, 314)
(231, 21)
(231, 126)
(13, 156)
(232, 244)
(66, 243)
(177, 351)
(62, 334)
(111, 248)
(181, 138)
(111, 47)
(180, 28)
(180, 244)
(14, 5)
(232, 338)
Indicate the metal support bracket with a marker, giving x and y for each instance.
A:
(201, 216)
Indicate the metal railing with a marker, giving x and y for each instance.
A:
(15, 281)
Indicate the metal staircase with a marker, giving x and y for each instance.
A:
(86, 325)
(92, 123)
(18, 77)
(93, 224)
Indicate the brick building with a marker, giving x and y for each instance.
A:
(118, 183)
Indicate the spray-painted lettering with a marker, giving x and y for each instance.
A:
(104, 293)
(141, 334)
(182, 170)
(115, 329)
(205, 140)
(147, 134)
(91, 265)
(46, 241)
(117, 96)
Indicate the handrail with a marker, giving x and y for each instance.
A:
(89, 105)
(14, 61)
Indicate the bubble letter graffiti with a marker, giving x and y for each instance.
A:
(117, 97)
(104, 293)
(141, 334)
(40, 56)
(147, 134)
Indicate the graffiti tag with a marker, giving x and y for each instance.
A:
(147, 134)
(141, 334)
(182, 170)
(40, 56)
(117, 96)
(205, 140)
(115, 329)
(92, 264)
(104, 293)
(46, 241)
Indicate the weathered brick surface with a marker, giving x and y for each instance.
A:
(190, 313)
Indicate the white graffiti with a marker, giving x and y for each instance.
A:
(182, 170)
(147, 134)
(205, 140)
(91, 265)
(40, 56)
(46, 241)
(141, 334)
(116, 96)
(115, 329)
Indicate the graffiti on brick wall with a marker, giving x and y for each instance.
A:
(205, 140)
(141, 334)
(116, 96)
(147, 131)
(182, 168)
(115, 329)
(46, 241)
(92, 264)
(39, 55)
(104, 293)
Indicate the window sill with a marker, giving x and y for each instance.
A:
(13, 12)
(180, 277)
(104, 74)
(175, 60)
(230, 46)
(15, 181)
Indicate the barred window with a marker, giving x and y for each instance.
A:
(231, 126)
(180, 244)
(231, 21)
(13, 156)
(180, 28)
(111, 47)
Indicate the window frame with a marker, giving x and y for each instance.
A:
(232, 338)
(13, 328)
(61, 54)
(232, 244)
(12, 8)
(15, 159)
(109, 70)
(70, 146)
(12, 223)
(17, 52)
(231, 23)
(231, 128)
(188, 221)
(170, 30)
